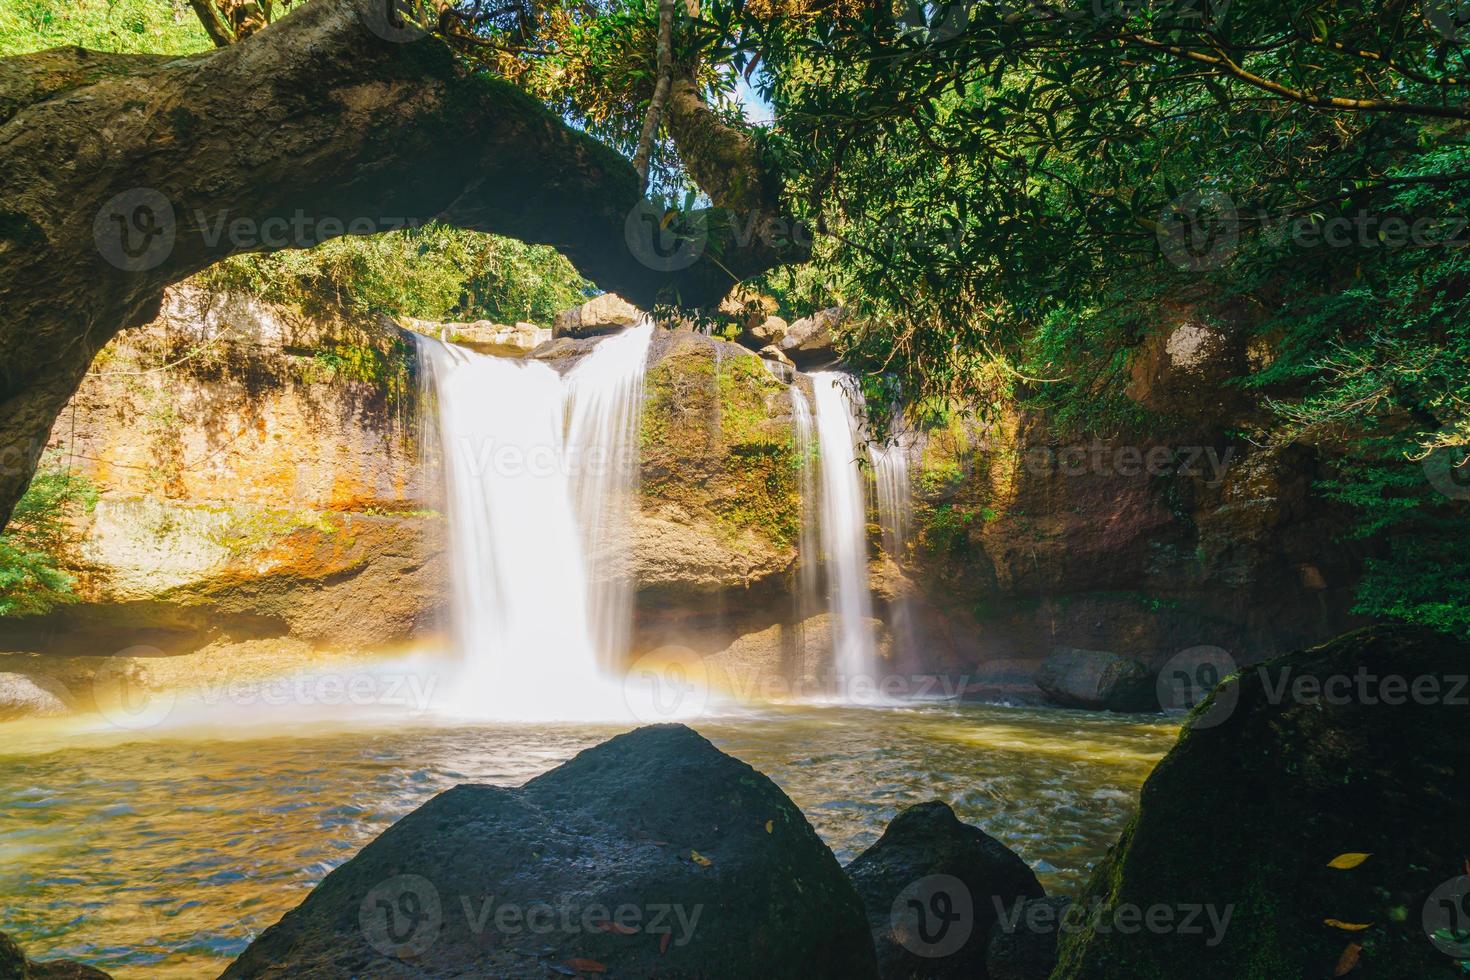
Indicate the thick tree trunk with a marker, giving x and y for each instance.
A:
(124, 174)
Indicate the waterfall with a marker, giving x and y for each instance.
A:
(606, 399)
(895, 517)
(538, 472)
(844, 522)
(808, 584)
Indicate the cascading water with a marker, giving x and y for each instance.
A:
(606, 400)
(843, 522)
(895, 517)
(808, 580)
(537, 509)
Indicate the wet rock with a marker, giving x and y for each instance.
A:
(1023, 943)
(12, 960)
(1354, 747)
(15, 966)
(1097, 680)
(808, 341)
(1003, 681)
(22, 697)
(494, 338)
(771, 330)
(931, 886)
(607, 313)
(651, 854)
(484, 336)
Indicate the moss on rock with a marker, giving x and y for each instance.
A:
(1281, 770)
(717, 443)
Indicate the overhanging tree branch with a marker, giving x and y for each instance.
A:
(665, 70)
(364, 127)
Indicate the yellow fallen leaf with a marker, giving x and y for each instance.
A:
(1347, 960)
(769, 824)
(584, 965)
(699, 859)
(1347, 926)
(1348, 861)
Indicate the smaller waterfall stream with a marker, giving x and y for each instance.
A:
(539, 473)
(843, 526)
(896, 517)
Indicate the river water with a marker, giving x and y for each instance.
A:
(162, 856)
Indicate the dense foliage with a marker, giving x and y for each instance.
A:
(133, 26)
(42, 528)
(434, 273)
(1041, 186)
(1013, 196)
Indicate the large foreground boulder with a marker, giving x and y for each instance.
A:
(1314, 818)
(1097, 680)
(1023, 944)
(652, 854)
(15, 966)
(932, 888)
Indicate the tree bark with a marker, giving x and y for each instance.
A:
(664, 60)
(125, 174)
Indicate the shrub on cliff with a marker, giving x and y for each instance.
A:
(39, 532)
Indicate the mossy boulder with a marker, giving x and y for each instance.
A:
(720, 501)
(652, 854)
(1096, 679)
(1355, 747)
(933, 888)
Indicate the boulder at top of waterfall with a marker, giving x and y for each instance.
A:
(22, 697)
(809, 341)
(607, 313)
(931, 886)
(1023, 943)
(15, 966)
(771, 330)
(1097, 680)
(1313, 801)
(498, 338)
(651, 854)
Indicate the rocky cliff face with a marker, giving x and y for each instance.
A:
(1146, 545)
(261, 475)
